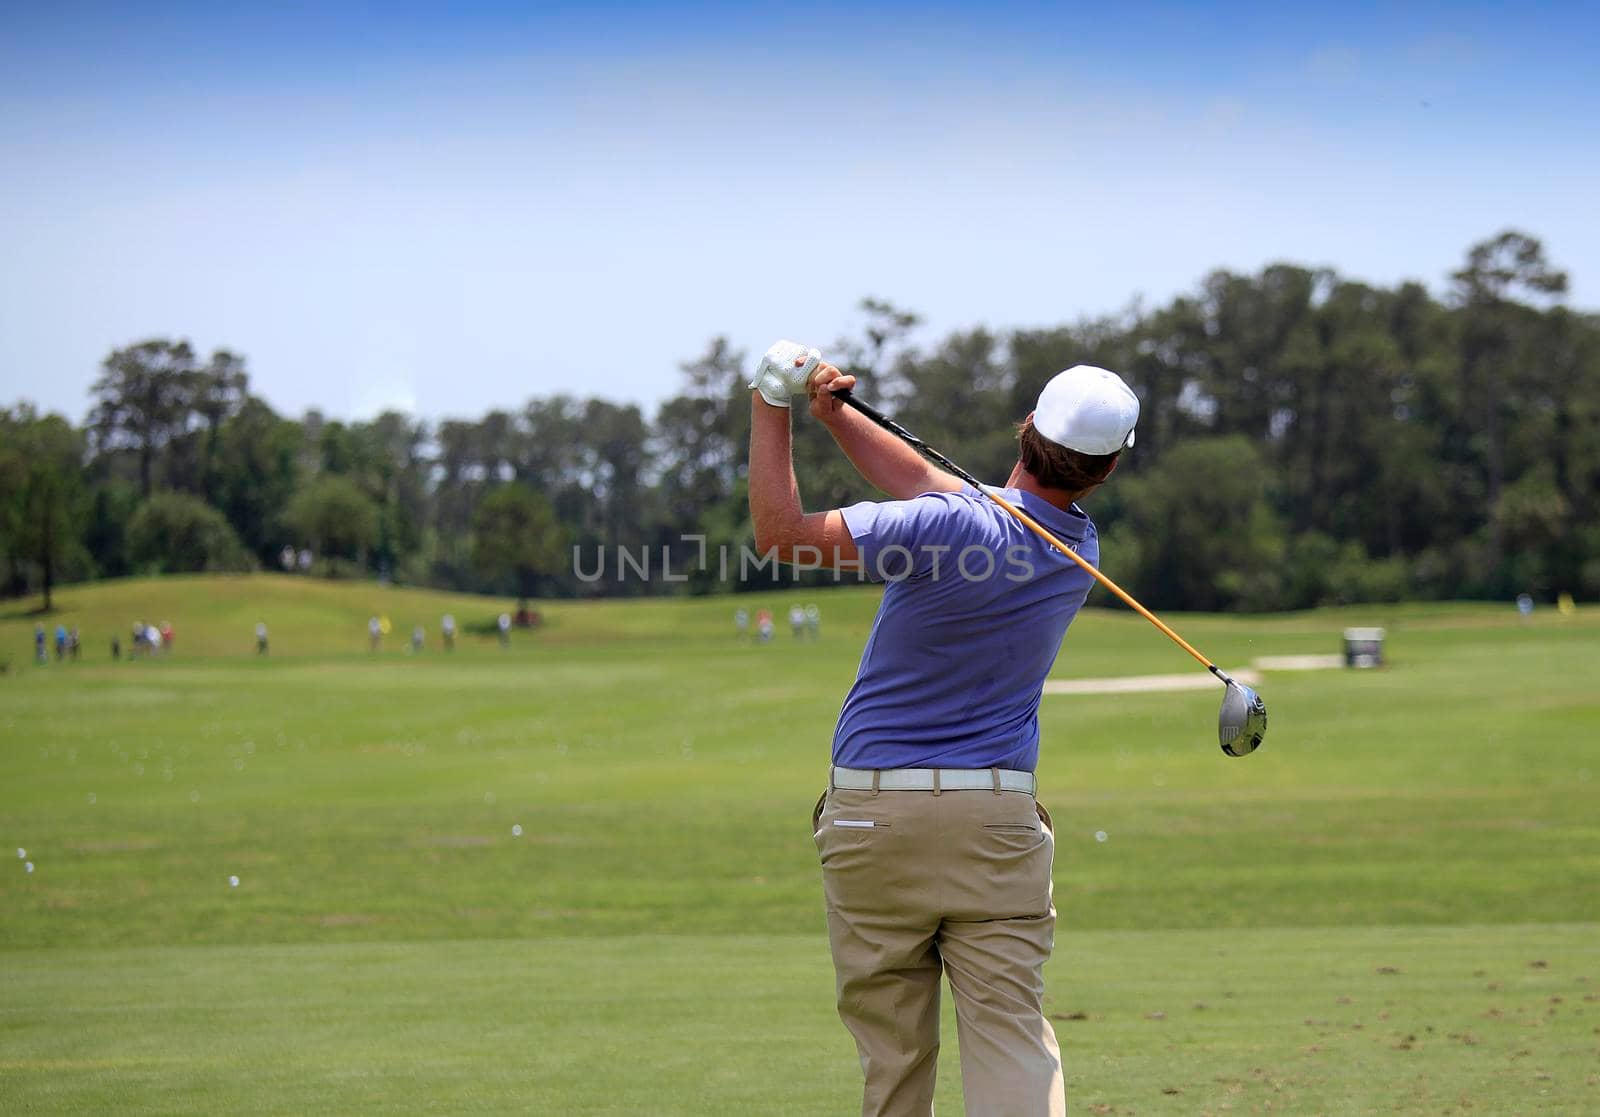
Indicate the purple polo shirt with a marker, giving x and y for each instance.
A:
(974, 611)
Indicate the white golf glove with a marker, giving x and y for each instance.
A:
(778, 377)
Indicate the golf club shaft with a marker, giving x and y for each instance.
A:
(1027, 521)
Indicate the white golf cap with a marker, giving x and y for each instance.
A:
(1087, 409)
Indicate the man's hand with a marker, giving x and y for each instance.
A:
(823, 383)
(783, 371)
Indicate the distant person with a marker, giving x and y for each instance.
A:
(447, 630)
(61, 642)
(116, 648)
(305, 560)
(261, 638)
(503, 625)
(416, 638)
(741, 623)
(72, 643)
(1525, 605)
(152, 639)
(136, 644)
(39, 653)
(166, 635)
(797, 620)
(286, 559)
(813, 621)
(374, 633)
(1565, 605)
(764, 625)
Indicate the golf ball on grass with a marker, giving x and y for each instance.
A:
(22, 854)
(28, 867)
(233, 882)
(1099, 835)
(516, 831)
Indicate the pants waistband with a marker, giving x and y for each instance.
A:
(933, 779)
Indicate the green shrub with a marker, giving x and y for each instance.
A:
(1356, 579)
(174, 533)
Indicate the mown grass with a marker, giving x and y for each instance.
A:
(1353, 1021)
(651, 942)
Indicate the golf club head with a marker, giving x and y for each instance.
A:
(1242, 722)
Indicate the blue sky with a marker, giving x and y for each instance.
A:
(452, 208)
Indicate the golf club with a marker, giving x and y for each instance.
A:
(1242, 722)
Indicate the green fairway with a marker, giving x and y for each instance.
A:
(574, 875)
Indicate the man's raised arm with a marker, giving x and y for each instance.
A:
(879, 456)
(780, 522)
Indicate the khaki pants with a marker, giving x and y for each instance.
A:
(956, 883)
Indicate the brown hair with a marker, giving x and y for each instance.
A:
(1057, 467)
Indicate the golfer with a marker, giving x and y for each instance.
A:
(936, 857)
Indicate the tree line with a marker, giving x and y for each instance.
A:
(1305, 438)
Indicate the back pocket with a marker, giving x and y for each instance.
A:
(1010, 828)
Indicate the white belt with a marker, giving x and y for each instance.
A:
(933, 779)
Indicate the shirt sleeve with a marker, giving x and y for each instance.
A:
(900, 539)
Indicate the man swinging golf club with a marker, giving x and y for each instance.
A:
(936, 857)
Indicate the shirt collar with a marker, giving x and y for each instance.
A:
(1070, 523)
